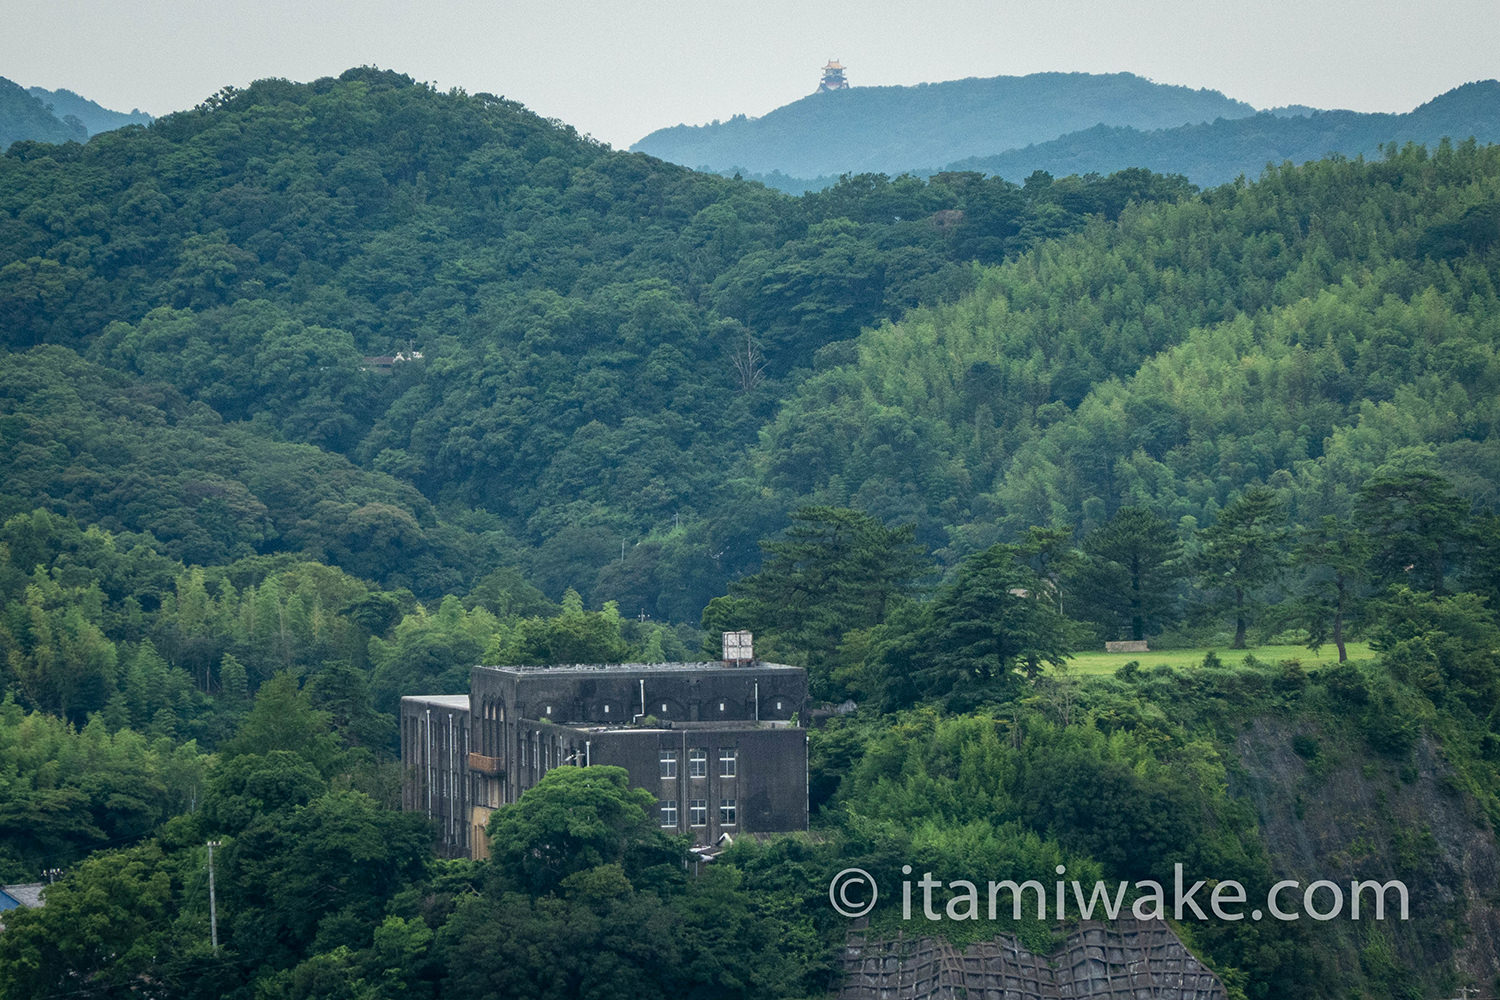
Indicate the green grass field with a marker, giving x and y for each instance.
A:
(1107, 663)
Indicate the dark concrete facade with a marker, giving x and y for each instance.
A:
(721, 747)
(435, 765)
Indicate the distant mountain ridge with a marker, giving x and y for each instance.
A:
(1203, 135)
(95, 117)
(22, 116)
(1218, 152)
(895, 129)
(55, 115)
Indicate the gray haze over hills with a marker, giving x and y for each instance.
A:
(95, 117)
(1220, 151)
(1061, 123)
(895, 129)
(55, 115)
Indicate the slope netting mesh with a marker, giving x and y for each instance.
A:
(1128, 958)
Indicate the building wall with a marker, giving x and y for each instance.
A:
(611, 696)
(752, 781)
(435, 772)
(518, 752)
(461, 764)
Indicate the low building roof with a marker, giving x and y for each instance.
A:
(641, 668)
(720, 726)
(26, 894)
(448, 701)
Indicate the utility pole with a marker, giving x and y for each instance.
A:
(213, 913)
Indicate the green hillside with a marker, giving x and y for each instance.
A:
(1219, 151)
(1299, 331)
(606, 339)
(602, 335)
(318, 394)
(894, 130)
(134, 456)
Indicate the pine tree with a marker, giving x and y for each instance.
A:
(1336, 558)
(1240, 554)
(1416, 525)
(1134, 565)
(993, 620)
(836, 570)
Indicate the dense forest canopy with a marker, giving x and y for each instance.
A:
(317, 395)
(1300, 331)
(600, 335)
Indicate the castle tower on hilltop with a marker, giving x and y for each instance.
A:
(833, 77)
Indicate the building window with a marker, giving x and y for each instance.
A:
(728, 761)
(726, 812)
(669, 813)
(698, 812)
(698, 763)
(606, 709)
(669, 763)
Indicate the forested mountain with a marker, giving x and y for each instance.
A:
(600, 335)
(134, 455)
(22, 116)
(1299, 331)
(55, 115)
(318, 394)
(604, 339)
(1219, 151)
(895, 130)
(1020, 125)
(95, 117)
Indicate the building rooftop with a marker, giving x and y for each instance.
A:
(719, 726)
(639, 668)
(25, 894)
(440, 700)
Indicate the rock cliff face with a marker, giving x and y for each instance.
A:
(1342, 816)
(1123, 959)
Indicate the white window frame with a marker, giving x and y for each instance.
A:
(668, 764)
(729, 762)
(669, 814)
(697, 812)
(728, 810)
(698, 762)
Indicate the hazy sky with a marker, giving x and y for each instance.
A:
(619, 69)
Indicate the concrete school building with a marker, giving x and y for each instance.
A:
(720, 744)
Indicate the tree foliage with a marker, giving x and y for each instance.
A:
(1241, 554)
(1129, 581)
